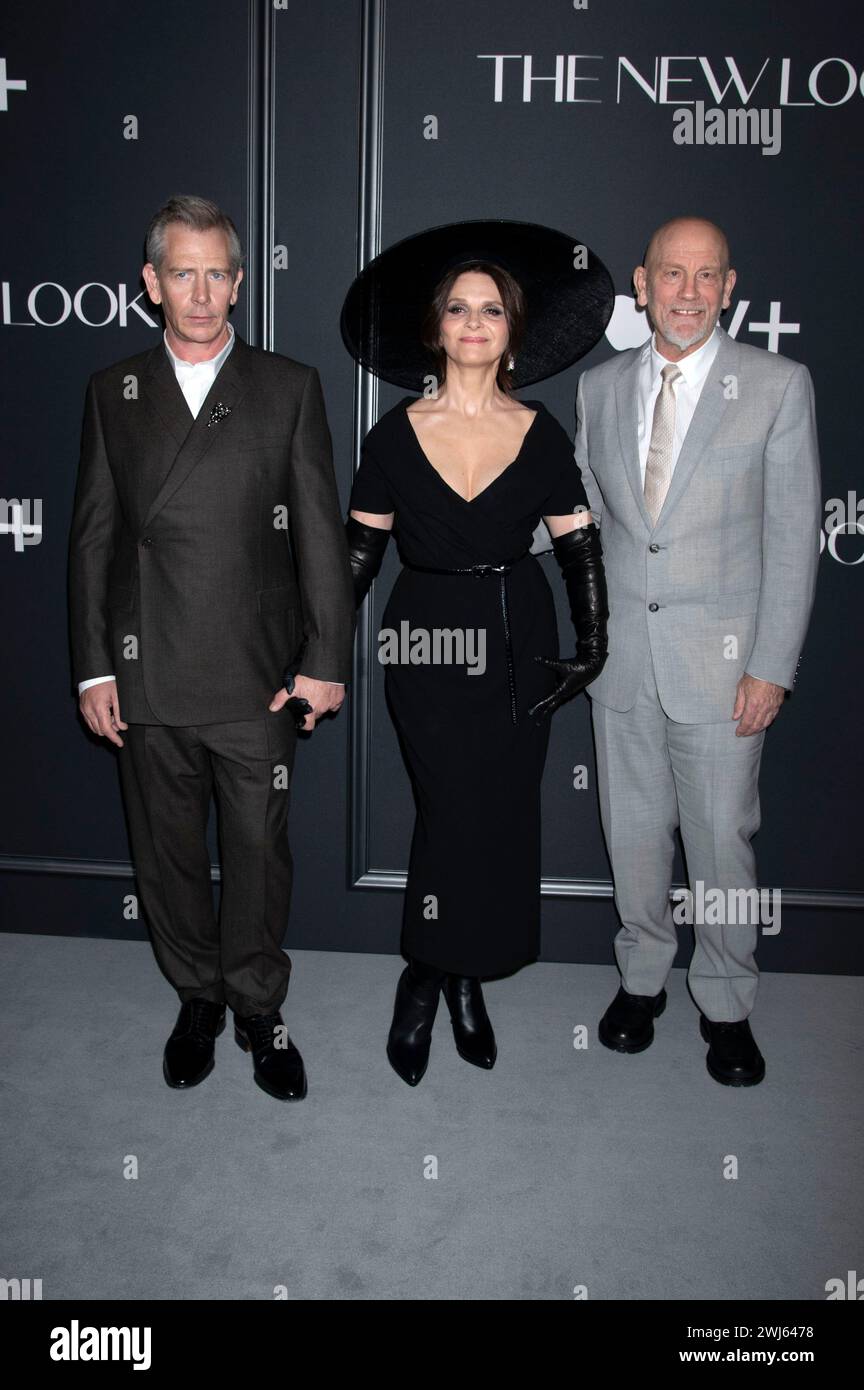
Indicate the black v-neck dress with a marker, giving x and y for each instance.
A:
(472, 904)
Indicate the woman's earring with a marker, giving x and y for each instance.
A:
(510, 363)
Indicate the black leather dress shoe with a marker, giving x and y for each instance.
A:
(733, 1058)
(188, 1055)
(414, 1013)
(475, 1041)
(278, 1065)
(628, 1023)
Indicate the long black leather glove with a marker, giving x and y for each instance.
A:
(581, 559)
(366, 546)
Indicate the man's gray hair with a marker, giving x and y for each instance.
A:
(199, 214)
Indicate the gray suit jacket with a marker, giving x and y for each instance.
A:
(724, 582)
(182, 581)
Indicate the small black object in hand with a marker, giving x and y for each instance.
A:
(299, 709)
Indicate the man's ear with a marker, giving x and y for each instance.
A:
(728, 287)
(151, 280)
(639, 281)
(237, 281)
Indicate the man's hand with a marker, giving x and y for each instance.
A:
(756, 704)
(101, 710)
(322, 696)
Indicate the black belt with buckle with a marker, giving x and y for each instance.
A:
(481, 572)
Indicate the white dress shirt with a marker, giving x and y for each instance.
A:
(194, 380)
(694, 369)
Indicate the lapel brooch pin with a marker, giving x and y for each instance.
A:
(219, 412)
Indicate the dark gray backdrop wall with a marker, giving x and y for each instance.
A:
(123, 106)
(329, 132)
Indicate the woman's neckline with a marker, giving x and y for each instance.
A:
(469, 501)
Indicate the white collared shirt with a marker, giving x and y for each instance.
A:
(694, 370)
(196, 378)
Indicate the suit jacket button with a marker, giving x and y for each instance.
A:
(147, 540)
(653, 547)
(652, 607)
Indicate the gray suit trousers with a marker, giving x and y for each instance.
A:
(656, 775)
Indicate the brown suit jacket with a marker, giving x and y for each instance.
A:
(207, 554)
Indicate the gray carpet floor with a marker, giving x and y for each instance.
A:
(561, 1170)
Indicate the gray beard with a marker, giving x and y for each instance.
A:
(680, 341)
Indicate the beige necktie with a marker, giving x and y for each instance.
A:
(658, 466)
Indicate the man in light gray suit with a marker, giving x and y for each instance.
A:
(700, 460)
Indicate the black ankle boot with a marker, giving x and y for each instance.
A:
(475, 1041)
(413, 1015)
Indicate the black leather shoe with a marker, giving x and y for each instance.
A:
(475, 1041)
(628, 1023)
(188, 1055)
(278, 1065)
(413, 1015)
(733, 1058)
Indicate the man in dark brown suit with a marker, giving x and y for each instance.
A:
(209, 575)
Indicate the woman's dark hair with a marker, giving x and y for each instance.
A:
(512, 299)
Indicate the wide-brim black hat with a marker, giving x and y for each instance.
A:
(569, 298)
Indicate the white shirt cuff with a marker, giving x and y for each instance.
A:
(96, 680)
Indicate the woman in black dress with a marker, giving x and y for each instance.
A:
(465, 476)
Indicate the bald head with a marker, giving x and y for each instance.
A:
(679, 229)
(685, 283)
